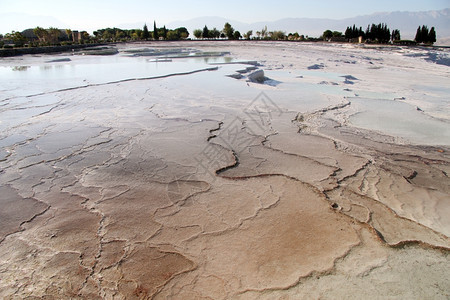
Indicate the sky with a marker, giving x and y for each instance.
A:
(90, 15)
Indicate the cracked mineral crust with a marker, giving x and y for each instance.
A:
(171, 179)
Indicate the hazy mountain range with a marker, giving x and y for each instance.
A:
(406, 22)
(28, 21)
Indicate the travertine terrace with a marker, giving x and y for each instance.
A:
(326, 178)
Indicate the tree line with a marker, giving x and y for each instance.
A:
(144, 34)
(228, 32)
(123, 35)
(374, 33)
(380, 33)
(53, 36)
(423, 35)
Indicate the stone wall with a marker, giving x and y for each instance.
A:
(40, 50)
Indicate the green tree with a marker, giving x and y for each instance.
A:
(183, 32)
(418, 37)
(264, 32)
(18, 39)
(145, 33)
(248, 35)
(69, 34)
(120, 35)
(85, 37)
(348, 33)
(164, 32)
(53, 34)
(293, 36)
(337, 34)
(354, 32)
(198, 33)
(108, 35)
(327, 34)
(214, 33)
(425, 34)
(155, 31)
(228, 30)
(205, 32)
(172, 35)
(396, 35)
(378, 33)
(237, 35)
(278, 35)
(41, 33)
(432, 36)
(137, 35)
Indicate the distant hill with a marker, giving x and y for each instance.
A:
(406, 22)
(27, 21)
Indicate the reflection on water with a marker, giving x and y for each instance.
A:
(86, 70)
(20, 68)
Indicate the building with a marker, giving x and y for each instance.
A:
(77, 36)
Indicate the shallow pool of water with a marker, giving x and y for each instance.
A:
(400, 119)
(45, 77)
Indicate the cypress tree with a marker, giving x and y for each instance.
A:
(205, 33)
(348, 33)
(145, 33)
(432, 36)
(424, 34)
(396, 35)
(386, 34)
(418, 37)
(165, 32)
(155, 31)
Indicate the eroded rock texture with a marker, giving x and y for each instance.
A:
(164, 188)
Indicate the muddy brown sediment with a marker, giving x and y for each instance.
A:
(164, 188)
(16, 211)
